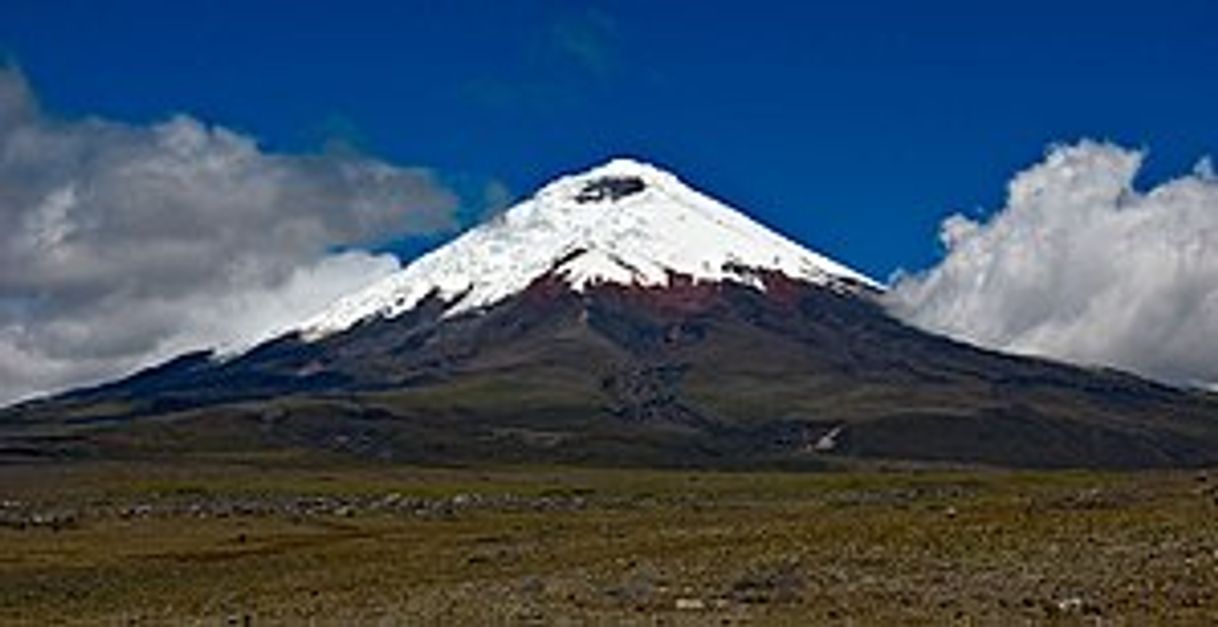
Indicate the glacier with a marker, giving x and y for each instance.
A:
(623, 222)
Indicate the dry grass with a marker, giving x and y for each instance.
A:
(277, 541)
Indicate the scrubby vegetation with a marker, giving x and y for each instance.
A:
(276, 539)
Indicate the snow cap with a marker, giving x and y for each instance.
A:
(621, 222)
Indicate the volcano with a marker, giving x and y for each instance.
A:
(620, 317)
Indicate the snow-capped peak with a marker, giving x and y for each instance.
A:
(621, 222)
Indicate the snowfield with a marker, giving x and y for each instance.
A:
(622, 222)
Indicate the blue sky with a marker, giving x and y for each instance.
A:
(853, 127)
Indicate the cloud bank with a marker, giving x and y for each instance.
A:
(121, 245)
(1083, 267)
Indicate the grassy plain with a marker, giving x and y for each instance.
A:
(286, 540)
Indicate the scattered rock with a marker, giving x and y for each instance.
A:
(781, 583)
(1070, 604)
(690, 604)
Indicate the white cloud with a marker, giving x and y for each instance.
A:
(1081, 266)
(121, 245)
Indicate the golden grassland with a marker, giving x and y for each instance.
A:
(284, 540)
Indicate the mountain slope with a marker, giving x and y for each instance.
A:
(621, 318)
